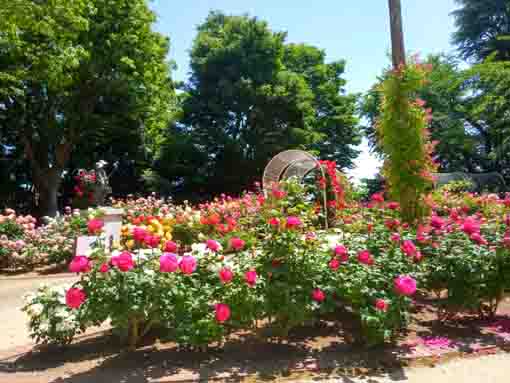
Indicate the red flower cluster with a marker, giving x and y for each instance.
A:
(85, 182)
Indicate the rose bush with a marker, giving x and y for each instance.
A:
(199, 273)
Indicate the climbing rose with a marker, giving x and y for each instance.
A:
(226, 275)
(408, 248)
(278, 194)
(381, 305)
(75, 297)
(188, 264)
(222, 312)
(405, 285)
(365, 257)
(104, 268)
(334, 264)
(250, 277)
(79, 264)
(293, 222)
(168, 263)
(237, 243)
(170, 247)
(94, 226)
(212, 245)
(124, 261)
(318, 295)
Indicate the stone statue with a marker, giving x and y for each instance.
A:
(102, 184)
(490, 181)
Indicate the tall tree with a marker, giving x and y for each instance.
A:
(251, 96)
(79, 74)
(335, 116)
(483, 29)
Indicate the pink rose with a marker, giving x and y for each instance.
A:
(104, 268)
(377, 197)
(250, 277)
(139, 234)
(478, 238)
(80, 264)
(340, 250)
(278, 194)
(226, 275)
(222, 312)
(404, 285)
(95, 226)
(237, 243)
(318, 295)
(75, 297)
(152, 241)
(334, 264)
(393, 205)
(437, 222)
(274, 222)
(293, 222)
(470, 226)
(395, 237)
(124, 262)
(212, 245)
(170, 247)
(381, 305)
(408, 248)
(365, 257)
(188, 264)
(168, 263)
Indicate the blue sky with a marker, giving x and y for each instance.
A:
(357, 31)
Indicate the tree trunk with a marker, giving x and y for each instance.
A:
(47, 183)
(398, 52)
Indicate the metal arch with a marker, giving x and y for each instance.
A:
(283, 165)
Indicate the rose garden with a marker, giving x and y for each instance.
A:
(224, 237)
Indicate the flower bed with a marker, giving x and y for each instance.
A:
(200, 273)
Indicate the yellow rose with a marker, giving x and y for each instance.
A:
(130, 244)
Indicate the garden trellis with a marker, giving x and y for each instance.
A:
(293, 163)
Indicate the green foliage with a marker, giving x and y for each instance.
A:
(456, 187)
(74, 79)
(483, 29)
(459, 146)
(250, 95)
(404, 139)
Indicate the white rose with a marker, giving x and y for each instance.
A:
(36, 309)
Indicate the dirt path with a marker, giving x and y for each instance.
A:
(13, 328)
(101, 359)
(486, 369)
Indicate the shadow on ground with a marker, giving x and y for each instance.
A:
(325, 350)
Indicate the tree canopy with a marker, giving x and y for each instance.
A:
(251, 95)
(80, 78)
(483, 29)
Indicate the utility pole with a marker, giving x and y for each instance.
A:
(398, 52)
